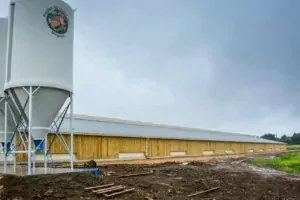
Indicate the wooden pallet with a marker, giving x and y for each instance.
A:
(109, 190)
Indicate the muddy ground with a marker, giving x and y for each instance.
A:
(236, 179)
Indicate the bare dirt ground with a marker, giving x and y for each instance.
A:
(235, 177)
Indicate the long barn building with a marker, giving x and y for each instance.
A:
(101, 138)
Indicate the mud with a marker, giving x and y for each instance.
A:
(235, 178)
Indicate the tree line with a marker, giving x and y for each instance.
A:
(294, 139)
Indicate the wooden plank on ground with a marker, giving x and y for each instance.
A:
(202, 192)
(99, 186)
(139, 174)
(102, 191)
(118, 193)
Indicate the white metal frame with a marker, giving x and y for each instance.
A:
(24, 125)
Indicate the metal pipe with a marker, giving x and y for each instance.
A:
(29, 130)
(12, 114)
(9, 40)
(35, 90)
(23, 142)
(5, 138)
(22, 113)
(57, 129)
(63, 142)
(15, 158)
(20, 152)
(33, 162)
(147, 147)
(25, 90)
(45, 155)
(15, 163)
(7, 77)
(72, 133)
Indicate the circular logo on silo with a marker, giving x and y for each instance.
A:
(57, 21)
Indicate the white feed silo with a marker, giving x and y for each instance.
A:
(3, 46)
(39, 73)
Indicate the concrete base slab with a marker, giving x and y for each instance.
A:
(22, 170)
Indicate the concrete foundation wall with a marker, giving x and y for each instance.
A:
(106, 147)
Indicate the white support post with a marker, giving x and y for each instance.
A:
(15, 157)
(71, 133)
(147, 147)
(45, 154)
(15, 163)
(29, 130)
(33, 161)
(5, 137)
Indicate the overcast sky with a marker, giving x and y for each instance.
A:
(224, 65)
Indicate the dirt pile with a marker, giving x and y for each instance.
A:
(58, 186)
(168, 181)
(90, 164)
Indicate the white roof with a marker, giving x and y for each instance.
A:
(84, 124)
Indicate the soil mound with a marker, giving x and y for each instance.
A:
(169, 181)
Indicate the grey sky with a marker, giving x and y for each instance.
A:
(225, 65)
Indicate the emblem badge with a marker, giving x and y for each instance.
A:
(57, 21)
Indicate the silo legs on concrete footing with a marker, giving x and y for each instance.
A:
(24, 125)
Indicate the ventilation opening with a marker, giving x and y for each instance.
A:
(138, 155)
(208, 153)
(229, 152)
(177, 153)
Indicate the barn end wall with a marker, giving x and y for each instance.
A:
(107, 147)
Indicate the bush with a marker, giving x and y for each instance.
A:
(289, 162)
(291, 147)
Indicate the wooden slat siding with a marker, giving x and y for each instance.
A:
(220, 147)
(196, 147)
(23, 156)
(103, 147)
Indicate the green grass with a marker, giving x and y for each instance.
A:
(289, 162)
(292, 147)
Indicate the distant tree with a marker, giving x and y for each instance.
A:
(296, 138)
(270, 136)
(286, 139)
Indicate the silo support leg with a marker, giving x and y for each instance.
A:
(5, 138)
(45, 155)
(15, 163)
(72, 134)
(29, 131)
(33, 162)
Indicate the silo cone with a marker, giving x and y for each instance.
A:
(41, 33)
(46, 103)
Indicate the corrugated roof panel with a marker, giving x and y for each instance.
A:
(116, 127)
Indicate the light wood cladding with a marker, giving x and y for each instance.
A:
(106, 147)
